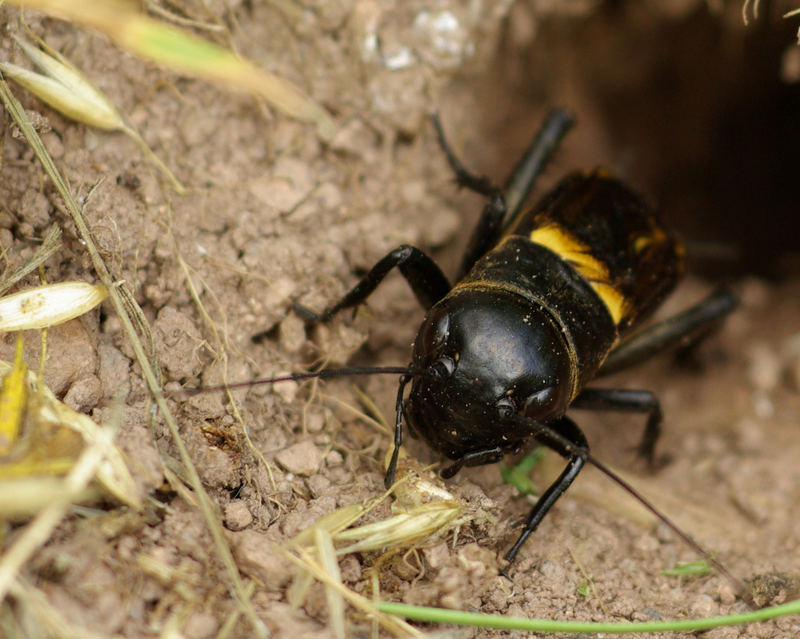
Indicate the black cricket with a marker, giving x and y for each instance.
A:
(548, 298)
(545, 302)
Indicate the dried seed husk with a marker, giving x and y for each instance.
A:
(48, 305)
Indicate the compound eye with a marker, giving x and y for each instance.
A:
(443, 367)
(540, 401)
(505, 407)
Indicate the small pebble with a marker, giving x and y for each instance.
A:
(334, 459)
(315, 421)
(318, 484)
(256, 557)
(287, 391)
(350, 569)
(292, 333)
(303, 458)
(34, 208)
(84, 393)
(437, 555)
(704, 606)
(177, 343)
(763, 367)
(237, 516)
(726, 595)
(201, 625)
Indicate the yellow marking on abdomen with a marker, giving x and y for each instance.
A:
(569, 248)
(643, 242)
(612, 298)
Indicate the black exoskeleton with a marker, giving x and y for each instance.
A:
(544, 303)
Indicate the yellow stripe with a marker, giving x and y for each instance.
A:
(644, 242)
(569, 248)
(612, 298)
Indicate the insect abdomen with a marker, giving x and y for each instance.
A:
(593, 255)
(611, 237)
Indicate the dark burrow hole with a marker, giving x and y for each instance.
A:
(695, 111)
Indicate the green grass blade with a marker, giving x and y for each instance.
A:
(458, 618)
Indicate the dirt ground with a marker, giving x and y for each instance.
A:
(694, 109)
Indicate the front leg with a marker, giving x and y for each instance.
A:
(570, 431)
(422, 274)
(476, 458)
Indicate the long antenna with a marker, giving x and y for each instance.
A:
(687, 539)
(295, 377)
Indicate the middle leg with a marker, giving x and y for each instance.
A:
(477, 458)
(686, 328)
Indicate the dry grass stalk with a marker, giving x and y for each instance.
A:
(130, 314)
(38, 531)
(71, 93)
(392, 624)
(13, 396)
(171, 47)
(48, 247)
(57, 433)
(422, 510)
